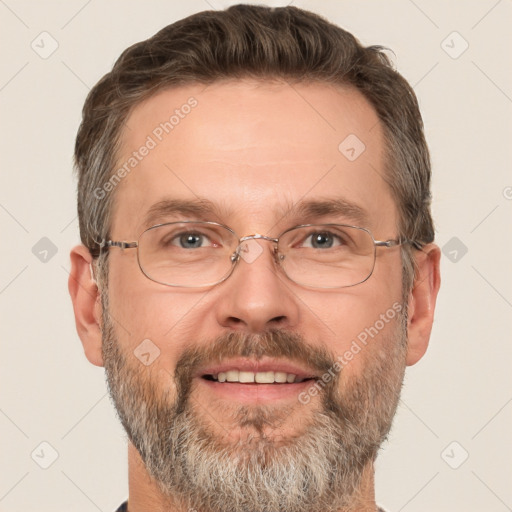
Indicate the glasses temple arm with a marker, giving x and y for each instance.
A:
(113, 243)
(400, 241)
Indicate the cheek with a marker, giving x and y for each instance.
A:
(351, 322)
(144, 310)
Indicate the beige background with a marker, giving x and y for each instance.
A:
(459, 393)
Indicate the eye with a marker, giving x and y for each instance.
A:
(322, 240)
(191, 240)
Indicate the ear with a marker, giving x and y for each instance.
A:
(86, 303)
(422, 301)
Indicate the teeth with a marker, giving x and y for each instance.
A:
(264, 377)
(245, 377)
(232, 375)
(259, 377)
(283, 377)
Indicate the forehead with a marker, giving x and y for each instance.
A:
(253, 150)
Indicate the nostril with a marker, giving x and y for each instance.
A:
(235, 320)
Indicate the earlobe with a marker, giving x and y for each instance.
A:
(422, 301)
(86, 303)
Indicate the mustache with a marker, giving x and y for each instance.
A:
(272, 343)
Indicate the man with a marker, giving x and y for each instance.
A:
(257, 266)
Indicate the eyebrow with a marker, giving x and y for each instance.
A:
(303, 212)
(338, 207)
(200, 209)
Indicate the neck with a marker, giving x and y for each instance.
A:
(144, 493)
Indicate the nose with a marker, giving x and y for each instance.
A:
(257, 296)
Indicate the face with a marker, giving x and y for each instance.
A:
(259, 158)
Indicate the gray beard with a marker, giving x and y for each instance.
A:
(318, 469)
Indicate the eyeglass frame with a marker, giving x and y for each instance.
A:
(235, 257)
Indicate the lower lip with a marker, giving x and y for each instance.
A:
(253, 393)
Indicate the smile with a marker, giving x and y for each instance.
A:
(246, 377)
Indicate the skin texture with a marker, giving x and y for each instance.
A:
(254, 149)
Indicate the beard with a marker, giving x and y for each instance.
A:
(316, 468)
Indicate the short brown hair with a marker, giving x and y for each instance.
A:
(244, 41)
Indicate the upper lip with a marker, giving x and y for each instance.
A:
(255, 366)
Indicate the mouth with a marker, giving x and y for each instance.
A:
(256, 381)
(245, 377)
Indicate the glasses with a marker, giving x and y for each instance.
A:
(193, 254)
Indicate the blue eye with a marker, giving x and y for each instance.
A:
(322, 240)
(190, 240)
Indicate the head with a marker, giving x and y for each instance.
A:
(261, 120)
